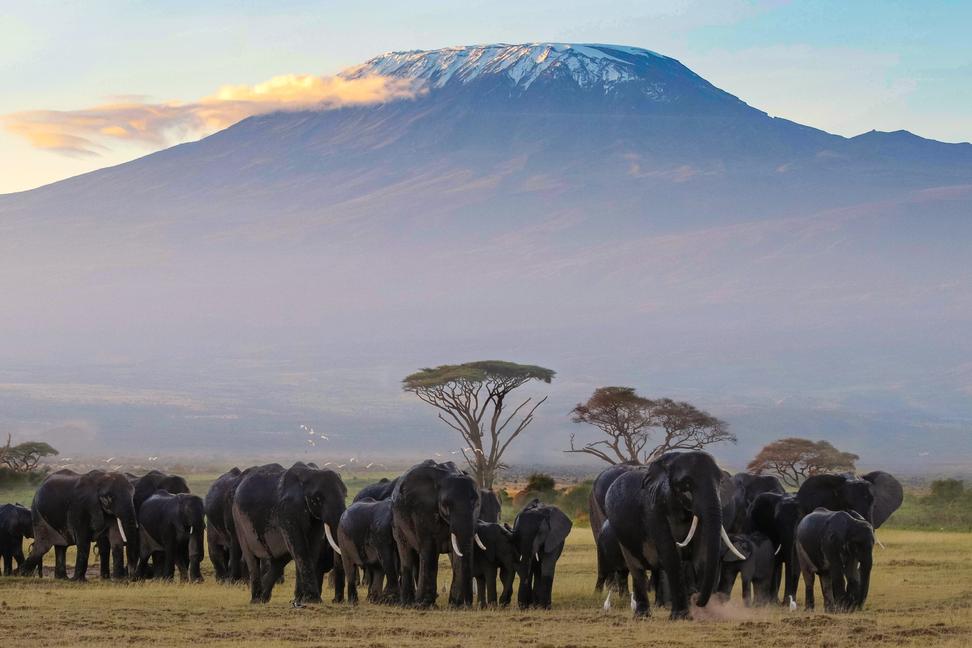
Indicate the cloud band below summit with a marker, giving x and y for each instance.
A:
(89, 131)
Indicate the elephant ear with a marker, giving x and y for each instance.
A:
(560, 526)
(888, 495)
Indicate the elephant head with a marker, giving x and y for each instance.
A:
(687, 485)
(875, 497)
(324, 496)
(458, 502)
(110, 504)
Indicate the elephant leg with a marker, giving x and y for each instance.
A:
(306, 555)
(182, 562)
(507, 574)
(81, 560)
(773, 587)
(8, 564)
(524, 595)
(388, 562)
(217, 556)
(376, 583)
(621, 582)
(104, 557)
(428, 572)
(272, 570)
(671, 564)
(256, 581)
(491, 573)
(639, 592)
(808, 577)
(747, 595)
(60, 562)
(406, 558)
(351, 571)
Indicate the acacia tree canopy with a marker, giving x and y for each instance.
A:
(471, 399)
(639, 429)
(794, 459)
(24, 457)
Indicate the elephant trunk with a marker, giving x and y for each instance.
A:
(865, 568)
(710, 514)
(462, 530)
(128, 530)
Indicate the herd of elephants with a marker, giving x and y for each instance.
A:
(678, 526)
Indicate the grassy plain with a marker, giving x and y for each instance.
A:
(921, 595)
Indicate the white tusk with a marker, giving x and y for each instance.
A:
(691, 533)
(732, 548)
(537, 556)
(455, 544)
(121, 530)
(330, 539)
(607, 602)
(777, 550)
(190, 530)
(479, 542)
(880, 544)
(793, 604)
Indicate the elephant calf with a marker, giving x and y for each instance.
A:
(15, 525)
(364, 536)
(757, 569)
(171, 528)
(838, 547)
(221, 538)
(495, 554)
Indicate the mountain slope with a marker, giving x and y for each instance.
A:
(598, 209)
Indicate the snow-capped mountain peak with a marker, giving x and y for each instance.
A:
(589, 65)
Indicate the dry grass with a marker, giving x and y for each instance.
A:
(921, 595)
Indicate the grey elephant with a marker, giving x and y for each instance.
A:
(15, 525)
(756, 571)
(366, 541)
(434, 507)
(539, 533)
(72, 509)
(838, 547)
(172, 529)
(290, 514)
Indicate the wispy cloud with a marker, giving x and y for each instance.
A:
(89, 131)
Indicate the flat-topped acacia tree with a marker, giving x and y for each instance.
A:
(471, 399)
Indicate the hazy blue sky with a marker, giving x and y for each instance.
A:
(846, 67)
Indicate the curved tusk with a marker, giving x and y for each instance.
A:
(537, 556)
(190, 530)
(691, 533)
(732, 548)
(479, 542)
(777, 550)
(330, 539)
(121, 530)
(880, 544)
(455, 544)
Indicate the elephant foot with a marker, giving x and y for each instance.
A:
(679, 615)
(79, 579)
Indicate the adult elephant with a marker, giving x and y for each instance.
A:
(15, 525)
(539, 533)
(286, 514)
(744, 489)
(365, 538)
(72, 509)
(145, 487)
(776, 516)
(837, 546)
(434, 510)
(380, 490)
(607, 569)
(875, 496)
(172, 528)
(221, 539)
(656, 509)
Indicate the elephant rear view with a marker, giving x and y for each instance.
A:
(172, 527)
(224, 546)
(286, 514)
(539, 533)
(72, 509)
(434, 510)
(837, 546)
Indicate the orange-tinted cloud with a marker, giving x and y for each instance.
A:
(88, 131)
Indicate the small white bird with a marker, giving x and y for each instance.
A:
(109, 459)
(342, 465)
(328, 464)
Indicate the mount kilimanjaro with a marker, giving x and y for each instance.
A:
(598, 209)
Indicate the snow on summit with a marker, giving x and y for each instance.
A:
(589, 65)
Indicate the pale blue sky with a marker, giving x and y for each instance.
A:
(846, 67)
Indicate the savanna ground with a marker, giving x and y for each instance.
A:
(921, 594)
